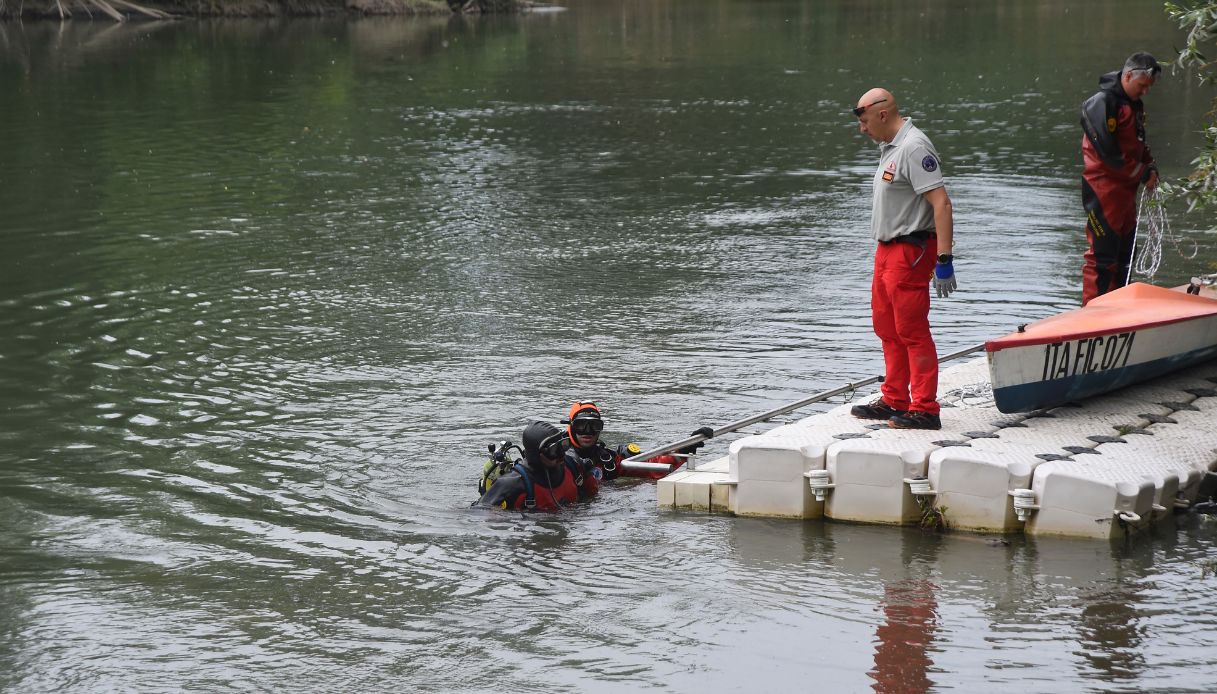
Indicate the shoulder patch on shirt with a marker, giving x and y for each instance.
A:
(929, 163)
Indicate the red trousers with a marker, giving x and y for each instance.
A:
(900, 313)
(1111, 223)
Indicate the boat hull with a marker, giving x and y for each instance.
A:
(1139, 333)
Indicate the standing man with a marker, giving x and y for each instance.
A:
(1115, 161)
(911, 218)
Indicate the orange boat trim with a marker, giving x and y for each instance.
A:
(1135, 307)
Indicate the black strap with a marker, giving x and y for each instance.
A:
(576, 474)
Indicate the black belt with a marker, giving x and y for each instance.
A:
(917, 238)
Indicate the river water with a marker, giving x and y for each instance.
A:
(270, 287)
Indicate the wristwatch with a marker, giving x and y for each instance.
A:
(945, 258)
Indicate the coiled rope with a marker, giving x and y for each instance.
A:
(1154, 226)
(970, 395)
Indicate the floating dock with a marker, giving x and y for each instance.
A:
(1100, 468)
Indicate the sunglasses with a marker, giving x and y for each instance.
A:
(858, 111)
(1150, 72)
(554, 447)
(587, 427)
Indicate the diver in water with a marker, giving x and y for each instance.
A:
(584, 424)
(546, 480)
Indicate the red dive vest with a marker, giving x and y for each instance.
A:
(545, 499)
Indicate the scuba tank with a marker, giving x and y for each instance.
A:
(501, 460)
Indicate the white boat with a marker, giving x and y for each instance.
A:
(1123, 337)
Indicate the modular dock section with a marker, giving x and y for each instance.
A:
(1101, 468)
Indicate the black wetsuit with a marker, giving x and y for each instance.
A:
(599, 458)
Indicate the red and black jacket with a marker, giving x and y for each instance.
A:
(1113, 142)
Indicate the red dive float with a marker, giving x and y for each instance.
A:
(1126, 336)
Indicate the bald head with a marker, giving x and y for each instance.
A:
(878, 115)
(879, 94)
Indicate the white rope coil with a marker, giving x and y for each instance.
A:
(1154, 227)
(969, 395)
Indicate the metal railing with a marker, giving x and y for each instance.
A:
(766, 416)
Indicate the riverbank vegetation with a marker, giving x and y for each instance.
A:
(122, 10)
(1199, 20)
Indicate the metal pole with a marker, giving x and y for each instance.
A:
(764, 416)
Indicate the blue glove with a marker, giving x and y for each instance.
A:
(944, 279)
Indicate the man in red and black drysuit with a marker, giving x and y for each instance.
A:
(1116, 161)
(913, 222)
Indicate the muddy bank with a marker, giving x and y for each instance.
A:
(121, 10)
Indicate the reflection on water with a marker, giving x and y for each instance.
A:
(902, 658)
(272, 285)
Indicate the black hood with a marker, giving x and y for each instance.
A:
(534, 434)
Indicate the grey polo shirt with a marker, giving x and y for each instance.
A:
(908, 168)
